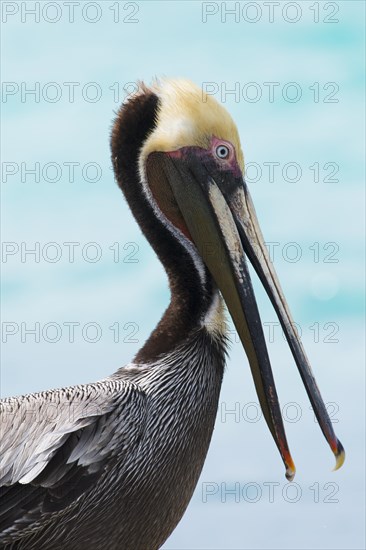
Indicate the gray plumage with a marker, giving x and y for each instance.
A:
(112, 464)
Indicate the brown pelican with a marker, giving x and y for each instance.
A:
(113, 464)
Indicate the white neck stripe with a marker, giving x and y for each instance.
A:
(186, 243)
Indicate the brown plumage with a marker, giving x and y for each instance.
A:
(117, 461)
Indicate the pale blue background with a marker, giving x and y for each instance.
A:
(170, 39)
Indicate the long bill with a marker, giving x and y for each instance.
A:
(253, 243)
(220, 217)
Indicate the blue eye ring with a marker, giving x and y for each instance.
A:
(222, 151)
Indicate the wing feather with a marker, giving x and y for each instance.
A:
(55, 446)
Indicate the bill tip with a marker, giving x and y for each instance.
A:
(290, 470)
(290, 474)
(340, 455)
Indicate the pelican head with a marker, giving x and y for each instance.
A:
(190, 168)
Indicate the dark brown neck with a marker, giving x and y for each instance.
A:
(190, 298)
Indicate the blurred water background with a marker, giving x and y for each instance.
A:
(290, 73)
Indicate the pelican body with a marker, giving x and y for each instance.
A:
(113, 464)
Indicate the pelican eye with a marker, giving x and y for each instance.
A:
(222, 152)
